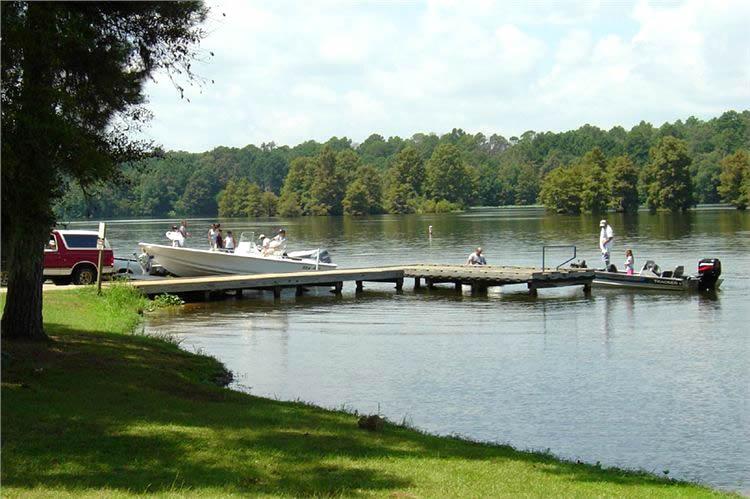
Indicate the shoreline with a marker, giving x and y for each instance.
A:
(164, 416)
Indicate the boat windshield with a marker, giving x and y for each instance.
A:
(247, 237)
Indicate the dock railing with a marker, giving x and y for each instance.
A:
(564, 246)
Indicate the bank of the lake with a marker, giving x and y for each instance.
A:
(101, 411)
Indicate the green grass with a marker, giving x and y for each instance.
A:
(101, 412)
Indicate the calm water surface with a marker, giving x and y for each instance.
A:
(659, 381)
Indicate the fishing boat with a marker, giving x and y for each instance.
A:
(248, 258)
(652, 277)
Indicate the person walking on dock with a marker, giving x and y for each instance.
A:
(606, 235)
(476, 258)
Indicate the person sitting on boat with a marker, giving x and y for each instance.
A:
(265, 242)
(229, 242)
(277, 245)
(476, 258)
(606, 235)
(629, 261)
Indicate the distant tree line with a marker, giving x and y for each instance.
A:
(589, 169)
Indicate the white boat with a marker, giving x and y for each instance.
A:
(652, 277)
(246, 259)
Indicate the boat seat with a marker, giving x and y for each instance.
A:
(650, 266)
(679, 271)
(666, 273)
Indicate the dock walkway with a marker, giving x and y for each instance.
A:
(478, 277)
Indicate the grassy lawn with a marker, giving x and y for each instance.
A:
(99, 411)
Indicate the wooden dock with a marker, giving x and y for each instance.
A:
(479, 278)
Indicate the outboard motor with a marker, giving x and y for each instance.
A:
(324, 256)
(709, 270)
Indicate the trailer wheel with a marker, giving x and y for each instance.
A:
(84, 274)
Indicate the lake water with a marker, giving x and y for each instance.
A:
(658, 381)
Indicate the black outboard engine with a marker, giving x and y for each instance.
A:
(709, 270)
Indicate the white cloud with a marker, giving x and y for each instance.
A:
(291, 71)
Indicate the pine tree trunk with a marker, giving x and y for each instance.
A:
(22, 317)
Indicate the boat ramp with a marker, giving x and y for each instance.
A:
(479, 278)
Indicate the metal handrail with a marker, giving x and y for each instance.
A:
(544, 254)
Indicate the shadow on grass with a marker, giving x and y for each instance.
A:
(133, 413)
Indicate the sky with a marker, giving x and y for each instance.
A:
(291, 71)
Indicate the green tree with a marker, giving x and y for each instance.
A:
(594, 188)
(561, 189)
(447, 176)
(527, 185)
(364, 193)
(705, 171)
(347, 163)
(296, 187)
(269, 203)
(734, 178)
(252, 202)
(408, 168)
(623, 185)
(327, 188)
(199, 197)
(290, 204)
(405, 179)
(71, 73)
(230, 199)
(400, 198)
(667, 176)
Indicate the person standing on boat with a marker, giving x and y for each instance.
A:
(476, 258)
(606, 235)
(229, 242)
(219, 239)
(183, 229)
(629, 261)
(212, 237)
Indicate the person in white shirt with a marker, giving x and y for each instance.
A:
(278, 243)
(229, 242)
(606, 235)
(476, 258)
(212, 236)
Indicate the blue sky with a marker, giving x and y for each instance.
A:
(290, 71)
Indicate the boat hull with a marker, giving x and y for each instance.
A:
(188, 262)
(622, 280)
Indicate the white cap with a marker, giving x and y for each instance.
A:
(602, 223)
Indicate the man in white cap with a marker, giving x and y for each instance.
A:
(606, 235)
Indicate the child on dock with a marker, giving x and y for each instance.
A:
(629, 262)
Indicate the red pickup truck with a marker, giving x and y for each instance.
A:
(71, 255)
